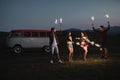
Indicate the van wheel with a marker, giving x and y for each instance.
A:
(17, 49)
(47, 49)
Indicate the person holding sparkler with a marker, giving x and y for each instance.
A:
(84, 42)
(54, 45)
(102, 37)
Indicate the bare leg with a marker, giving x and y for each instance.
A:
(85, 53)
(106, 52)
(71, 54)
(69, 57)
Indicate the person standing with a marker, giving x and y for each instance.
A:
(54, 45)
(84, 42)
(70, 47)
(103, 38)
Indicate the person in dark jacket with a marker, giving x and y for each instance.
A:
(54, 45)
(103, 38)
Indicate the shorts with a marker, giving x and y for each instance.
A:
(69, 44)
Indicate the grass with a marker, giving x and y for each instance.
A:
(36, 66)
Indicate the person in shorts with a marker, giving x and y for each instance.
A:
(70, 47)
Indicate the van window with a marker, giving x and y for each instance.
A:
(48, 33)
(34, 34)
(42, 34)
(16, 34)
(26, 34)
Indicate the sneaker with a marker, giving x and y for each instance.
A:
(60, 61)
(51, 61)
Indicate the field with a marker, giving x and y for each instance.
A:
(34, 65)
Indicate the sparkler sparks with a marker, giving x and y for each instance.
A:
(56, 21)
(60, 20)
(107, 16)
(92, 18)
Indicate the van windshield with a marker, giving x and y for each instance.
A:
(16, 34)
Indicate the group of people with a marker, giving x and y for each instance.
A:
(84, 42)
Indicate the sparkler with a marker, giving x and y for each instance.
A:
(107, 16)
(77, 43)
(92, 18)
(61, 25)
(56, 21)
(60, 20)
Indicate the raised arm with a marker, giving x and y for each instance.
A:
(86, 39)
(108, 28)
(93, 27)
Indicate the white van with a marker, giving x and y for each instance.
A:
(20, 39)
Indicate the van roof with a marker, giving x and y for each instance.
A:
(30, 30)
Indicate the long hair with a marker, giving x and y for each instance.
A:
(85, 35)
(68, 35)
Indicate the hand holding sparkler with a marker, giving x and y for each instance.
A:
(95, 44)
(77, 38)
(92, 18)
(92, 25)
(78, 43)
(108, 20)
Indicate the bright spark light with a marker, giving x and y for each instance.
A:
(92, 18)
(97, 45)
(60, 20)
(92, 42)
(107, 16)
(77, 43)
(56, 21)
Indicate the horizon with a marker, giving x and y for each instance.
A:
(62, 30)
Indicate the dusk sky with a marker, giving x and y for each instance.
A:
(41, 14)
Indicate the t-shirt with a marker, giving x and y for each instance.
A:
(54, 41)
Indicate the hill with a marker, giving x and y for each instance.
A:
(114, 30)
(73, 29)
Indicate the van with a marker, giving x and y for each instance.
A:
(22, 39)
